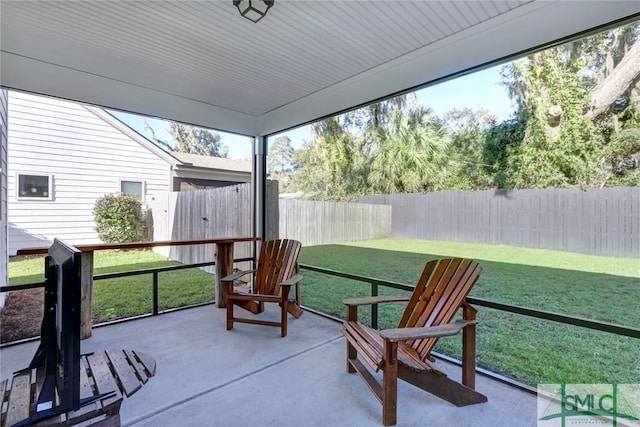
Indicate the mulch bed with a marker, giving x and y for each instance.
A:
(21, 315)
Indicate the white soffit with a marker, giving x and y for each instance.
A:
(200, 62)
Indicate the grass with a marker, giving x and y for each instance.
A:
(530, 350)
(128, 296)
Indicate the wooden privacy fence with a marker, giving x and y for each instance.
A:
(593, 221)
(207, 214)
(602, 221)
(320, 223)
(227, 212)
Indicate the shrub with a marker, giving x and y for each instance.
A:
(118, 218)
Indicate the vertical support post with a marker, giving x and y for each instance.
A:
(4, 254)
(469, 347)
(224, 267)
(259, 183)
(86, 283)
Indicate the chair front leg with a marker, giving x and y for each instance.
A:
(229, 303)
(284, 310)
(229, 315)
(352, 353)
(469, 347)
(390, 383)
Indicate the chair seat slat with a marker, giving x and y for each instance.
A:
(371, 344)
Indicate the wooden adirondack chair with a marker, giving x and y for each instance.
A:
(405, 352)
(272, 281)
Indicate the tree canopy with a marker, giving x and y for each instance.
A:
(192, 139)
(280, 162)
(576, 124)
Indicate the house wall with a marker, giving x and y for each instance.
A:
(3, 192)
(87, 158)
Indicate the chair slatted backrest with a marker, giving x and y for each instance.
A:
(276, 263)
(439, 293)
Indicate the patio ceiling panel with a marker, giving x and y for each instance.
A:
(200, 62)
(531, 25)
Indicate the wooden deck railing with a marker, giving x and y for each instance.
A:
(223, 257)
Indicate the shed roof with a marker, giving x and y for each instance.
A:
(207, 162)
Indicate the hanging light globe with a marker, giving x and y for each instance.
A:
(253, 10)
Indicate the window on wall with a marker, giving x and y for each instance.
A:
(134, 188)
(36, 187)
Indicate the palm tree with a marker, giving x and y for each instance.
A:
(412, 155)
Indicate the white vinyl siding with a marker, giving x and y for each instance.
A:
(87, 158)
(3, 192)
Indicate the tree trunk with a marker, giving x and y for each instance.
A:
(616, 83)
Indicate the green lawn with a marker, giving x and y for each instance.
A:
(128, 296)
(527, 349)
(530, 350)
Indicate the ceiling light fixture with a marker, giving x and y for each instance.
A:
(253, 10)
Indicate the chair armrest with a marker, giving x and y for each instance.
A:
(401, 334)
(236, 275)
(373, 300)
(296, 278)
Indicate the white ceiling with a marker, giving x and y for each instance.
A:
(200, 62)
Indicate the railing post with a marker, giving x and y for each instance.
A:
(86, 291)
(224, 267)
(374, 307)
(155, 293)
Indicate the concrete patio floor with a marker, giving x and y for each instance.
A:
(251, 377)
